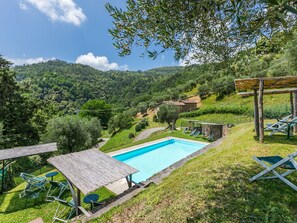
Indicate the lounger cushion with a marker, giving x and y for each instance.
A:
(274, 159)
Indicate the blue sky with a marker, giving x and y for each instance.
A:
(69, 30)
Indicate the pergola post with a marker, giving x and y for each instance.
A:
(260, 105)
(256, 112)
(129, 180)
(292, 103)
(295, 110)
(74, 197)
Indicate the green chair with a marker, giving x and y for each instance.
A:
(61, 210)
(56, 188)
(193, 132)
(271, 163)
(34, 185)
(196, 134)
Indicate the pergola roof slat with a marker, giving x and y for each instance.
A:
(18, 152)
(267, 92)
(91, 169)
(269, 83)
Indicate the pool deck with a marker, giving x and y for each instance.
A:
(120, 186)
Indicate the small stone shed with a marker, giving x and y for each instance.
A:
(217, 130)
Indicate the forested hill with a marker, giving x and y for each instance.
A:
(70, 85)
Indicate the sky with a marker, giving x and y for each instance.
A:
(75, 31)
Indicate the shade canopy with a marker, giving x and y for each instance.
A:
(91, 169)
(18, 152)
(269, 83)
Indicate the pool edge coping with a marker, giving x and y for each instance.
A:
(136, 147)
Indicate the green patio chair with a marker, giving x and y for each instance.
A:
(61, 210)
(56, 188)
(34, 185)
(193, 132)
(196, 134)
(271, 163)
(186, 130)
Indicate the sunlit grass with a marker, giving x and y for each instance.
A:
(15, 210)
(214, 187)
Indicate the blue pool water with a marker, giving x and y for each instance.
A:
(151, 159)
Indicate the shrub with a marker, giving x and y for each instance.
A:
(138, 128)
(142, 124)
(131, 135)
(72, 133)
(145, 122)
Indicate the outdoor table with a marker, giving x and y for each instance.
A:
(51, 175)
(289, 123)
(91, 199)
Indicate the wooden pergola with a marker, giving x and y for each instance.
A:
(8, 155)
(89, 170)
(276, 85)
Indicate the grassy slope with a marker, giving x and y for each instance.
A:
(272, 103)
(236, 100)
(14, 210)
(214, 187)
(121, 139)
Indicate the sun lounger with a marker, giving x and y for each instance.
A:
(57, 188)
(62, 208)
(271, 163)
(193, 132)
(279, 126)
(34, 185)
(185, 130)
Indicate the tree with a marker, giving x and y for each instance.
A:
(73, 133)
(120, 121)
(97, 108)
(200, 30)
(142, 107)
(1, 133)
(16, 110)
(168, 114)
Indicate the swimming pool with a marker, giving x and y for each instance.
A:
(151, 159)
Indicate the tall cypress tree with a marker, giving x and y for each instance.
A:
(16, 111)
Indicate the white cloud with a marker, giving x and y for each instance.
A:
(99, 62)
(22, 5)
(22, 61)
(57, 10)
(188, 60)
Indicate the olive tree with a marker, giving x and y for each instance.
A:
(168, 114)
(73, 133)
(201, 30)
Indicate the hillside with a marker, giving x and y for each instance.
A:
(70, 85)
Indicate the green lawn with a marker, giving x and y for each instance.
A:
(216, 118)
(214, 187)
(14, 210)
(121, 139)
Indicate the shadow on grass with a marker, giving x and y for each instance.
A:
(279, 139)
(231, 197)
(16, 203)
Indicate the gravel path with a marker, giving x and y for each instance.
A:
(146, 133)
